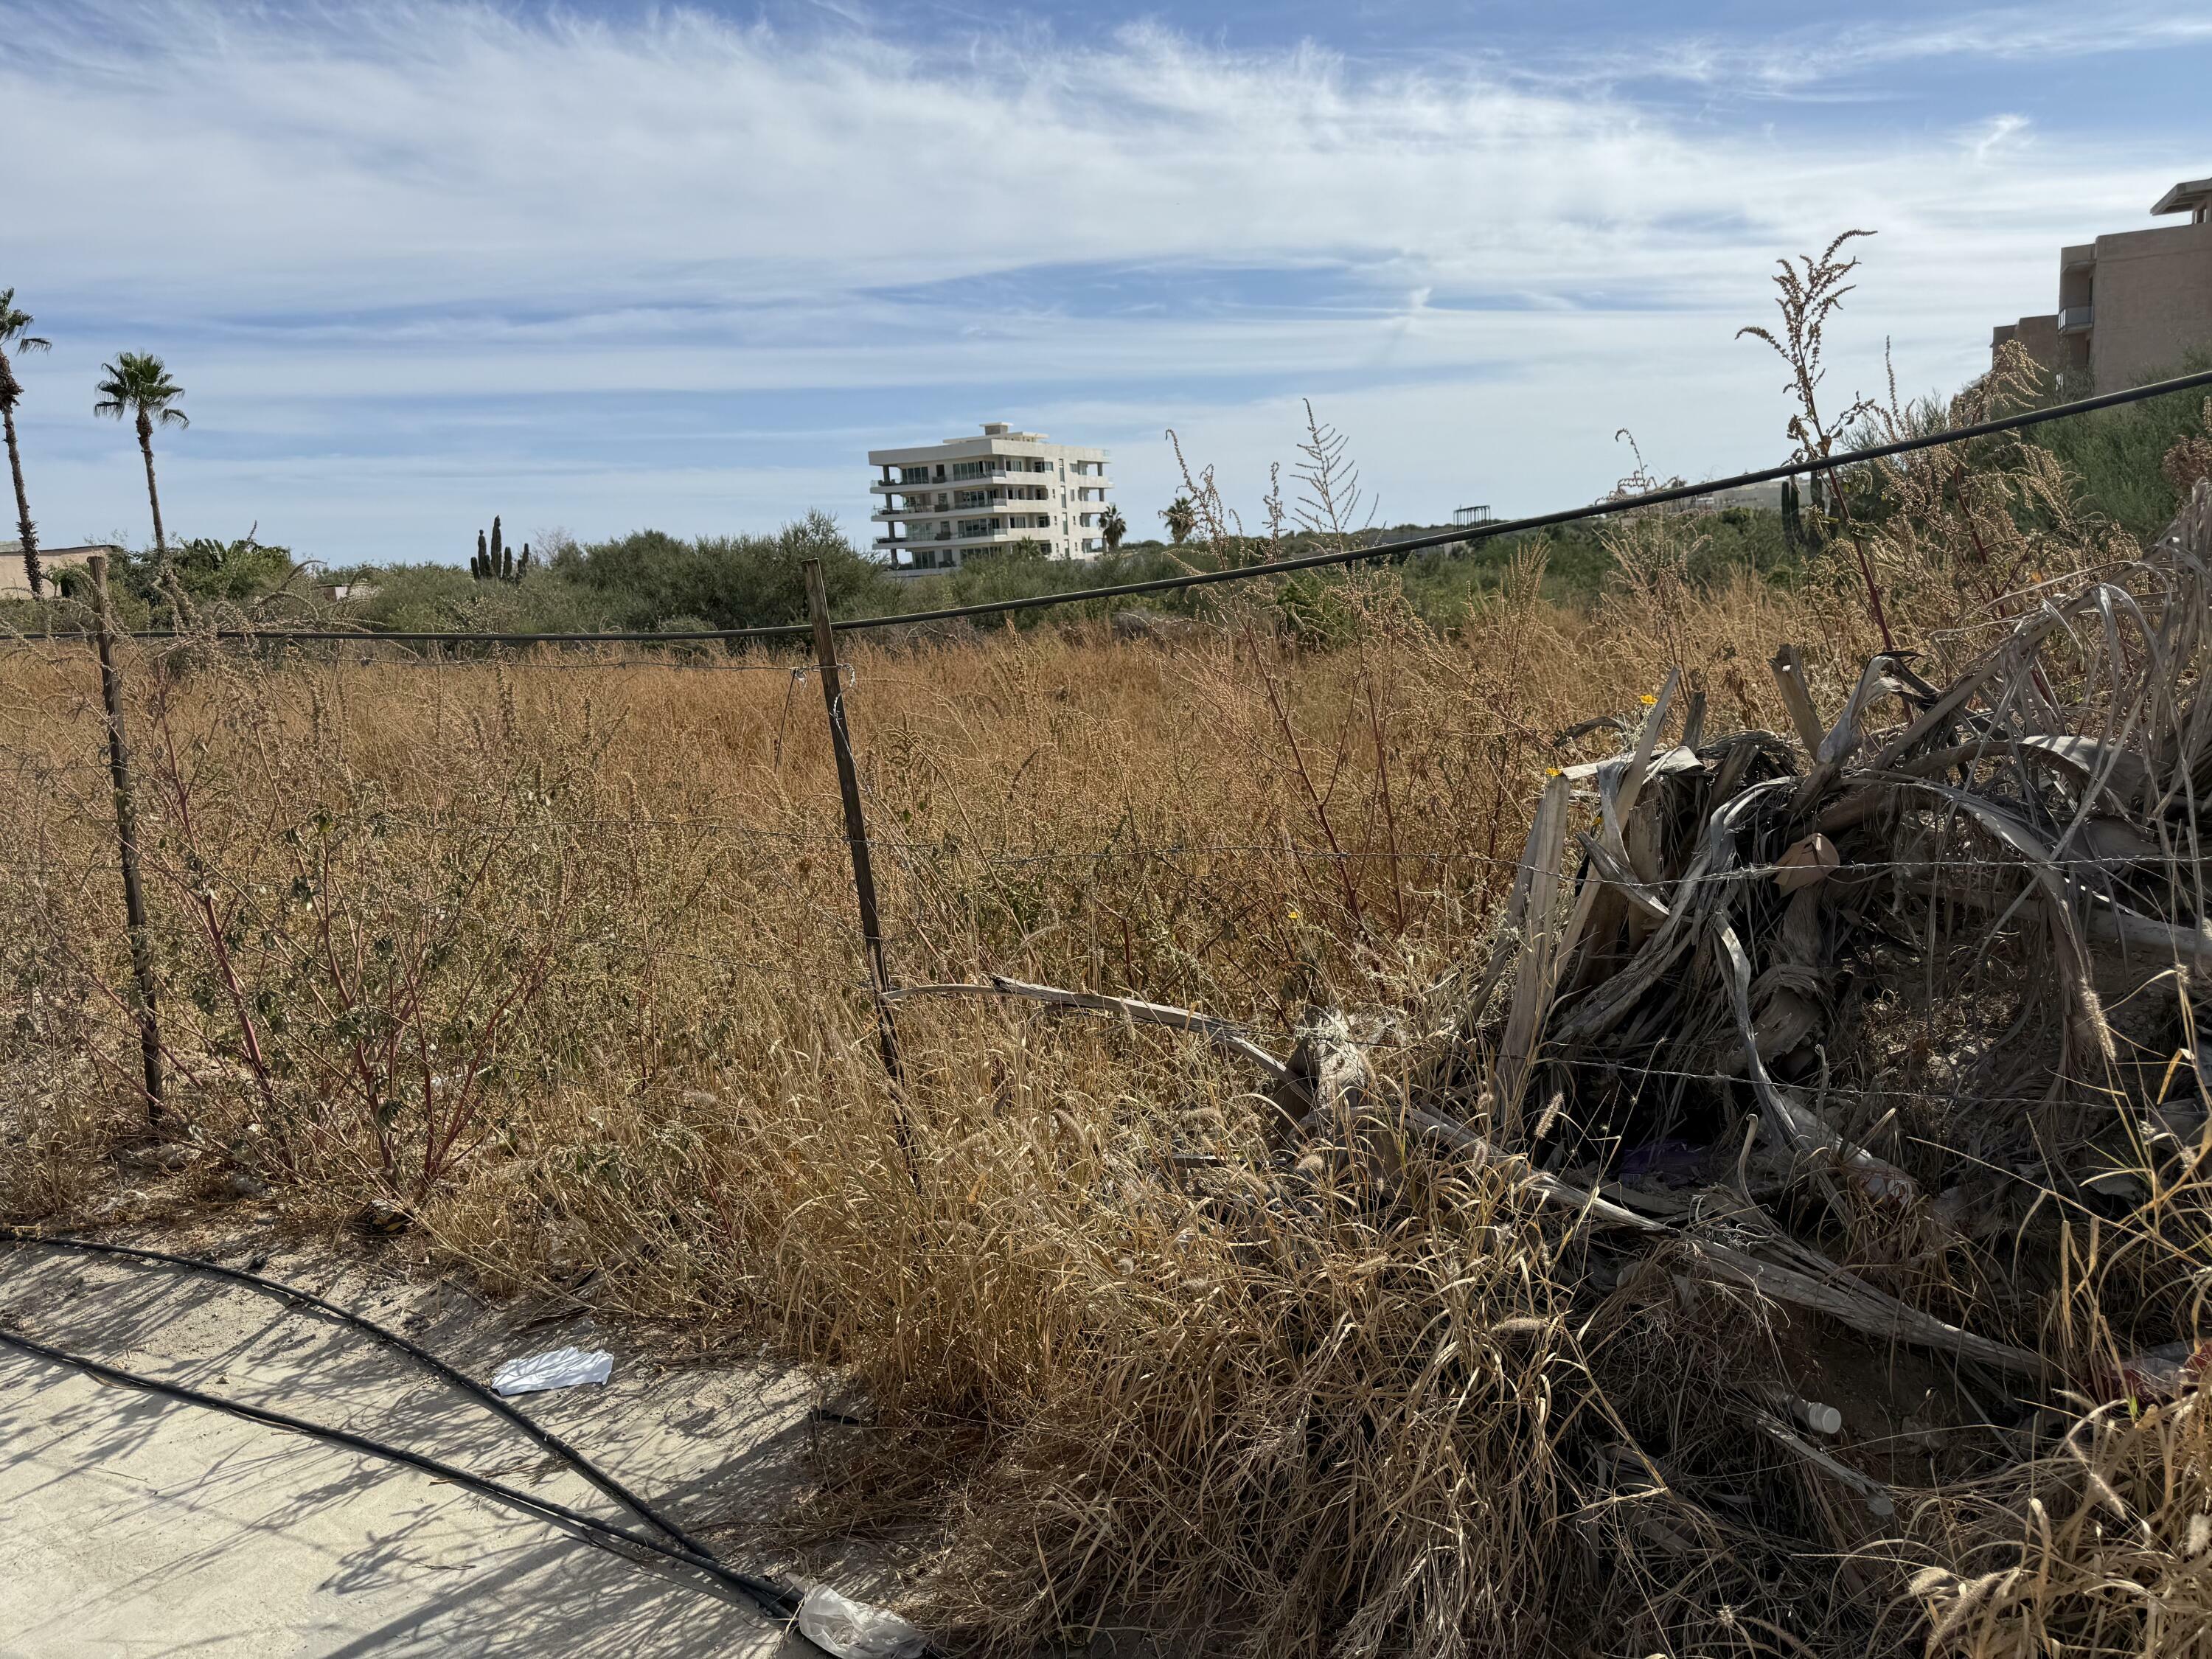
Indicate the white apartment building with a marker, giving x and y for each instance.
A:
(941, 503)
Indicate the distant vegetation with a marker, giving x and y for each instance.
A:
(2125, 460)
(2127, 468)
(651, 581)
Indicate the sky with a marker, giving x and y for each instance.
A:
(605, 266)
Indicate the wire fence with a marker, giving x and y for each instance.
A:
(2089, 876)
(967, 850)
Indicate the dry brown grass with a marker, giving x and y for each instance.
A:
(563, 958)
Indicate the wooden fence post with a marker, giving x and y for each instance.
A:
(856, 841)
(126, 837)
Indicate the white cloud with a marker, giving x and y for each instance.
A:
(334, 220)
(1799, 61)
(1997, 135)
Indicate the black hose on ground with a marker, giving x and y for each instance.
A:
(391, 1338)
(777, 1602)
(769, 1597)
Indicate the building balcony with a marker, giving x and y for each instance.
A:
(995, 509)
(2076, 320)
(949, 535)
(1008, 470)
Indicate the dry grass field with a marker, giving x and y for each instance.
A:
(558, 961)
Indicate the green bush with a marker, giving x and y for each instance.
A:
(237, 571)
(436, 598)
(732, 581)
(647, 581)
(2116, 453)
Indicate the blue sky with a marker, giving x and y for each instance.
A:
(603, 266)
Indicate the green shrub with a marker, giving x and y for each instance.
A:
(2117, 452)
(238, 571)
(732, 581)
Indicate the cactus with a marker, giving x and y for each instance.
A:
(496, 562)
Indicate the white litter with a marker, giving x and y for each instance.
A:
(563, 1368)
(853, 1629)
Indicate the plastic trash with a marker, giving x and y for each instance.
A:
(563, 1368)
(2161, 1373)
(853, 1629)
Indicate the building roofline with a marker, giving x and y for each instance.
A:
(2184, 196)
(997, 438)
(957, 447)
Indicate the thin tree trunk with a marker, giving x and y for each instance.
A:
(24, 528)
(153, 494)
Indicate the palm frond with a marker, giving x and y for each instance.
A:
(16, 326)
(138, 383)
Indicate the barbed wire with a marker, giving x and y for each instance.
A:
(1398, 1044)
(1381, 552)
(954, 848)
(1412, 1042)
(537, 664)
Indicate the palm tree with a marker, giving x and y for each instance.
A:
(15, 331)
(136, 385)
(1112, 527)
(1181, 518)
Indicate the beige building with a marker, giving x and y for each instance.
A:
(2130, 305)
(15, 580)
(941, 503)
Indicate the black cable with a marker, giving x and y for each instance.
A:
(1383, 550)
(774, 1599)
(453, 1378)
(770, 1598)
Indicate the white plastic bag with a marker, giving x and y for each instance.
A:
(853, 1629)
(563, 1368)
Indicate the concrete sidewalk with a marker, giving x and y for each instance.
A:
(131, 1526)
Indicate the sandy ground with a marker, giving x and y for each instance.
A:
(134, 1526)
